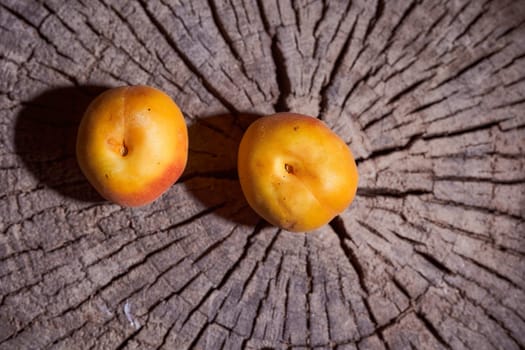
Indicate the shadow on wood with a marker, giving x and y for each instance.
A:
(211, 172)
(45, 137)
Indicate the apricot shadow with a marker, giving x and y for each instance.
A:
(211, 172)
(45, 136)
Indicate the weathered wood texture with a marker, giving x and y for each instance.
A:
(429, 95)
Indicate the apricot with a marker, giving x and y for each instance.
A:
(295, 172)
(132, 144)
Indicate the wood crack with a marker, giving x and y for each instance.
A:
(342, 234)
(187, 61)
(432, 329)
(283, 80)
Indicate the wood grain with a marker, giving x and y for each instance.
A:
(430, 97)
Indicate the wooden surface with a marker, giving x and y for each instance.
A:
(429, 95)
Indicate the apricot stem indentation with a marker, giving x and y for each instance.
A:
(123, 150)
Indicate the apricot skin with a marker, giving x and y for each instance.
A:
(132, 144)
(295, 172)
